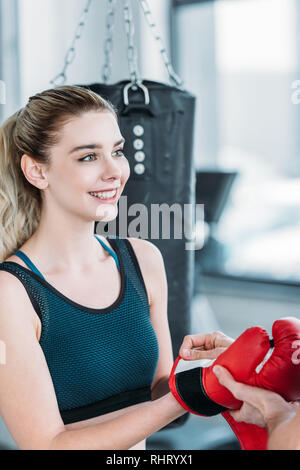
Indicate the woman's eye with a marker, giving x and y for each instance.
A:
(90, 155)
(120, 152)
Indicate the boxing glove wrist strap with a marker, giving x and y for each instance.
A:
(186, 383)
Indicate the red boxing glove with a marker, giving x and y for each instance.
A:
(199, 391)
(281, 372)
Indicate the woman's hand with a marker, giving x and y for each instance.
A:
(260, 407)
(209, 346)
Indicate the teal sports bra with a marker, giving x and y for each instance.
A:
(100, 360)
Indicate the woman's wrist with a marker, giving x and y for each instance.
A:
(173, 405)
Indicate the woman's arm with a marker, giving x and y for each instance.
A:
(139, 424)
(28, 403)
(153, 271)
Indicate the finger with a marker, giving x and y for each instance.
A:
(256, 397)
(206, 341)
(190, 342)
(199, 353)
(225, 378)
(218, 339)
(295, 405)
(236, 416)
(250, 417)
(240, 391)
(207, 354)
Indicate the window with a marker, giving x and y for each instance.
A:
(240, 57)
(9, 58)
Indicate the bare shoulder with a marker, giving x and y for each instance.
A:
(148, 254)
(14, 300)
(151, 264)
(9, 284)
(144, 247)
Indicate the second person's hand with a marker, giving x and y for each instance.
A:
(207, 346)
(261, 407)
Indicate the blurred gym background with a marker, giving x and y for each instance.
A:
(241, 59)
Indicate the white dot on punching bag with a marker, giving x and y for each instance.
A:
(138, 130)
(139, 169)
(139, 156)
(138, 144)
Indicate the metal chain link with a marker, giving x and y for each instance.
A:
(154, 30)
(108, 44)
(71, 53)
(131, 50)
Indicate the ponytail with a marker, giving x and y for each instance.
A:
(19, 204)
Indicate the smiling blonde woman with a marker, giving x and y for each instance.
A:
(83, 318)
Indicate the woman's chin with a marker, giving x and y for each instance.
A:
(106, 212)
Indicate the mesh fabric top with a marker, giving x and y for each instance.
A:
(100, 360)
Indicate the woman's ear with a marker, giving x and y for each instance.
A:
(33, 172)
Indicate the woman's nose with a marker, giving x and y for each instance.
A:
(111, 168)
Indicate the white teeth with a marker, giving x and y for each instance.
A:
(105, 194)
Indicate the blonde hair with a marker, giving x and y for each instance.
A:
(33, 131)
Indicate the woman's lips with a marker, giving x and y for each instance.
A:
(105, 201)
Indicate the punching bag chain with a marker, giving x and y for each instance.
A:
(131, 50)
(61, 78)
(135, 77)
(154, 30)
(108, 44)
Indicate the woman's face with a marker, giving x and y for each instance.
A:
(89, 158)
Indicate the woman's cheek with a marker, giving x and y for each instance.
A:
(126, 171)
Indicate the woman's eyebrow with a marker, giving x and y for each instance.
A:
(94, 146)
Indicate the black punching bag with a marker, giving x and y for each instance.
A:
(157, 121)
